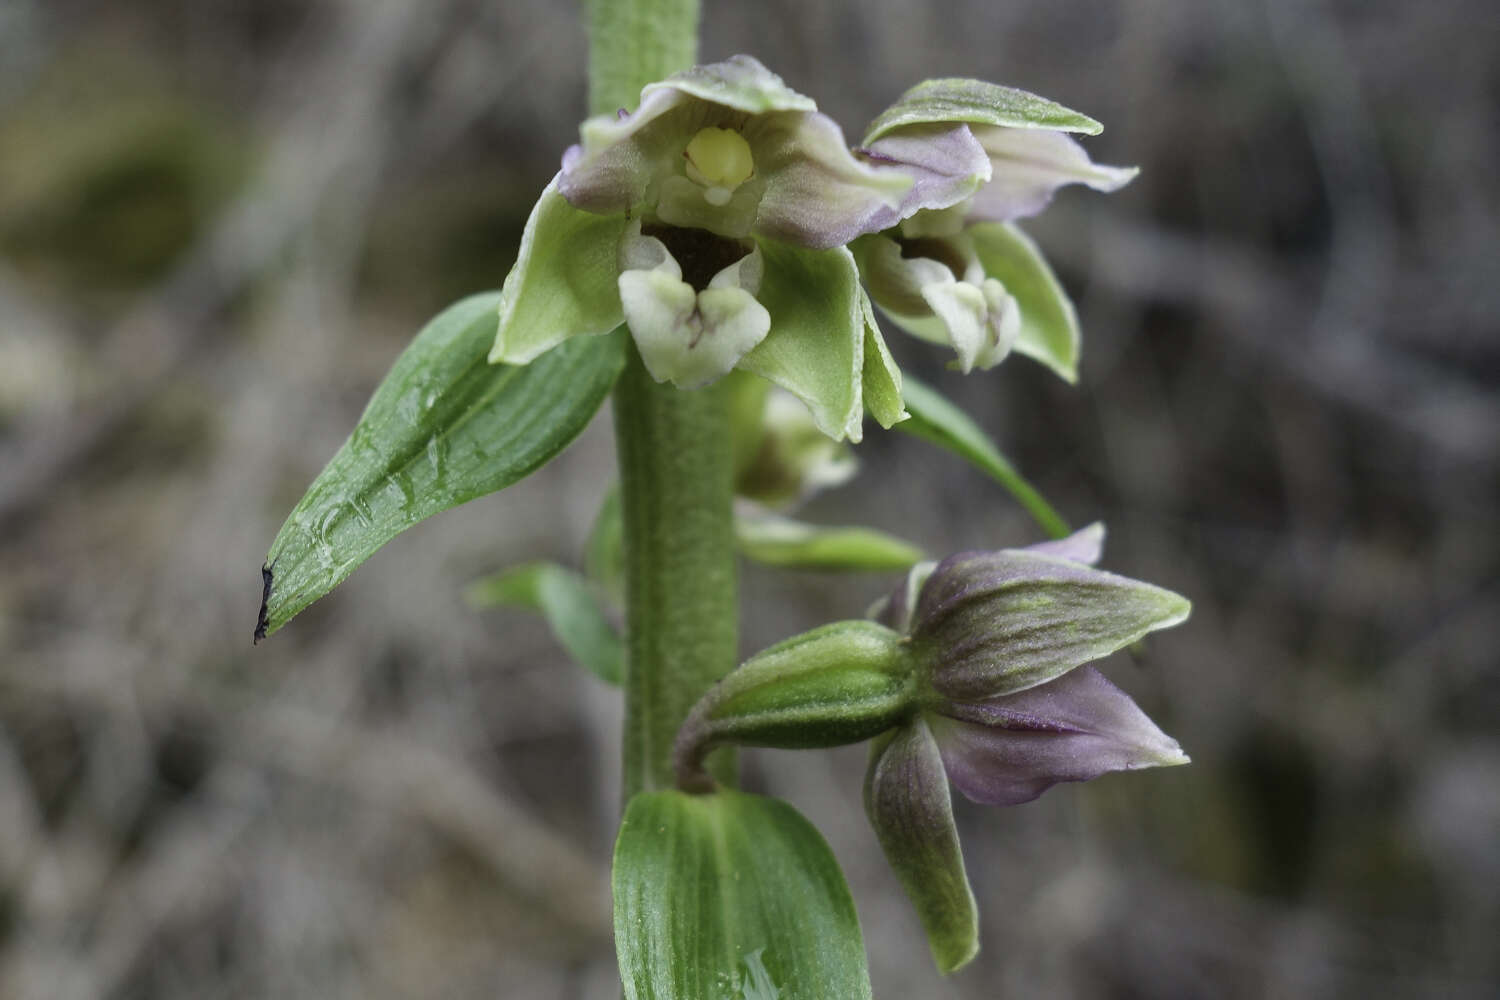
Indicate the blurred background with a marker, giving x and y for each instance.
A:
(220, 221)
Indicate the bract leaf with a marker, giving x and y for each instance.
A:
(791, 544)
(568, 603)
(442, 428)
(731, 895)
(1049, 324)
(975, 102)
(816, 346)
(935, 419)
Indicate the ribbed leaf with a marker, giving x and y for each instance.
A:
(444, 427)
(569, 604)
(731, 895)
(935, 419)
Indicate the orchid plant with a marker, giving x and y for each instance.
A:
(712, 253)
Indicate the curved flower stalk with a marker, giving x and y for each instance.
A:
(954, 269)
(974, 671)
(712, 221)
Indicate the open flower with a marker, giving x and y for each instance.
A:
(954, 269)
(712, 221)
(973, 672)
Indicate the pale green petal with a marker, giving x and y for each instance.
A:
(977, 103)
(815, 349)
(1029, 165)
(896, 282)
(563, 283)
(1049, 324)
(882, 379)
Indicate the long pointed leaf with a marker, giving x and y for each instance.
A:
(444, 427)
(935, 419)
(735, 896)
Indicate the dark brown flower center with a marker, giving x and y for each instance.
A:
(700, 253)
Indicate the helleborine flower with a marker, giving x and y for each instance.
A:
(1008, 709)
(974, 670)
(712, 221)
(955, 270)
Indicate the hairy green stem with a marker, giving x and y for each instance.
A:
(680, 592)
(636, 42)
(676, 483)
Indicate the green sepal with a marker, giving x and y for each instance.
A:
(816, 346)
(841, 683)
(935, 419)
(791, 544)
(442, 428)
(975, 102)
(731, 895)
(570, 606)
(1049, 323)
(907, 801)
(564, 282)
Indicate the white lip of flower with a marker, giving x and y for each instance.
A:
(937, 289)
(687, 335)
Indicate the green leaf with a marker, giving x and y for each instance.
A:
(935, 419)
(1049, 324)
(444, 427)
(735, 896)
(781, 541)
(977, 103)
(565, 282)
(568, 603)
(816, 346)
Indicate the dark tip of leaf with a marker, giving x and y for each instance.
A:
(264, 619)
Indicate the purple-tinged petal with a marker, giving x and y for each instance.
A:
(818, 196)
(906, 798)
(1031, 164)
(946, 162)
(740, 82)
(619, 160)
(994, 623)
(1010, 750)
(1086, 545)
